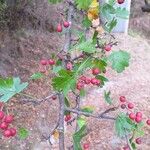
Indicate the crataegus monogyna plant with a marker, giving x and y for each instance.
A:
(71, 75)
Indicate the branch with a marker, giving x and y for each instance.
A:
(61, 96)
(100, 116)
(38, 101)
(68, 34)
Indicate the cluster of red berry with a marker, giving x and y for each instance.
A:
(44, 63)
(85, 80)
(137, 117)
(5, 121)
(66, 24)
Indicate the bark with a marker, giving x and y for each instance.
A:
(61, 96)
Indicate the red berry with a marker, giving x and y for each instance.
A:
(80, 86)
(3, 125)
(138, 141)
(66, 24)
(69, 66)
(148, 122)
(123, 106)
(86, 146)
(68, 117)
(138, 119)
(126, 148)
(95, 71)
(8, 118)
(132, 116)
(13, 131)
(43, 62)
(130, 106)
(94, 81)
(121, 1)
(54, 97)
(122, 99)
(7, 133)
(139, 114)
(88, 81)
(108, 48)
(59, 28)
(2, 115)
(51, 62)
(83, 78)
(98, 82)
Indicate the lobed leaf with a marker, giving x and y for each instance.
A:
(9, 87)
(119, 60)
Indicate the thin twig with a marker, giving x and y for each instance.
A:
(38, 101)
(100, 116)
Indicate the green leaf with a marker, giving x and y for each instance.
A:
(88, 109)
(67, 102)
(56, 69)
(86, 22)
(85, 46)
(133, 146)
(122, 13)
(139, 133)
(110, 25)
(81, 122)
(83, 4)
(94, 38)
(9, 87)
(77, 137)
(102, 79)
(65, 81)
(111, 2)
(86, 63)
(119, 60)
(36, 76)
(107, 11)
(23, 133)
(54, 1)
(123, 125)
(107, 97)
(82, 93)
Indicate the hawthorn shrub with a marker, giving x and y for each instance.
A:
(72, 74)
